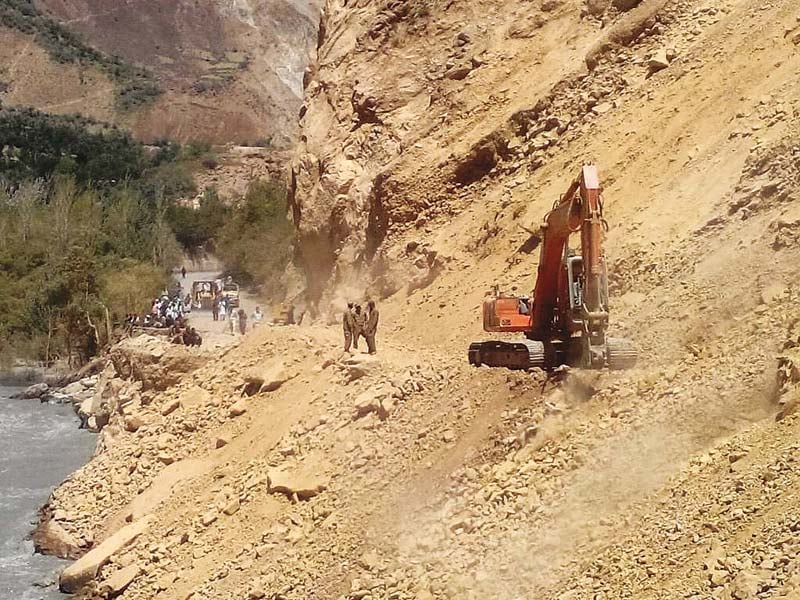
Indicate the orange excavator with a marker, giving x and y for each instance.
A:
(566, 319)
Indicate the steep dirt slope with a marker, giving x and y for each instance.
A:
(420, 185)
(230, 71)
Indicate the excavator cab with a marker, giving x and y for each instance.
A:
(504, 313)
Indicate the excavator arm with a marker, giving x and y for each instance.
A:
(566, 319)
(579, 209)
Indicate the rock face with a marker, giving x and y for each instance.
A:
(85, 568)
(156, 363)
(350, 133)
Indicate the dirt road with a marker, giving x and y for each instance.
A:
(216, 333)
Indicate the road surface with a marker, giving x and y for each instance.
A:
(215, 332)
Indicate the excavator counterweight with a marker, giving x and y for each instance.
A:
(566, 318)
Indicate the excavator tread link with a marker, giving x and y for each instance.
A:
(523, 354)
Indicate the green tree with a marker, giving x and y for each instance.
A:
(256, 242)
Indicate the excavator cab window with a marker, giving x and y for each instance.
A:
(575, 281)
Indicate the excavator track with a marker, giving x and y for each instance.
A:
(620, 353)
(524, 354)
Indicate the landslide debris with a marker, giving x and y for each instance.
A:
(410, 475)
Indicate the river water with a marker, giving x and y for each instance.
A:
(40, 445)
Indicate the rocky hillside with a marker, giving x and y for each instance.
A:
(435, 137)
(220, 71)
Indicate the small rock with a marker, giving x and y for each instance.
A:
(603, 108)
(170, 406)
(209, 517)
(625, 5)
(119, 581)
(458, 73)
(232, 507)
(658, 61)
(238, 408)
(222, 440)
(133, 423)
(449, 436)
(166, 458)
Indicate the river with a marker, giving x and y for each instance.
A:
(40, 445)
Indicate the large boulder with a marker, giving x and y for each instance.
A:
(52, 539)
(265, 378)
(33, 392)
(155, 362)
(73, 389)
(85, 569)
(300, 483)
(361, 365)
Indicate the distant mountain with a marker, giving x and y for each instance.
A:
(219, 70)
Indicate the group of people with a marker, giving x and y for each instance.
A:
(164, 312)
(185, 336)
(221, 308)
(167, 313)
(358, 322)
(238, 320)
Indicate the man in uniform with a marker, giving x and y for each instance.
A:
(360, 318)
(348, 326)
(371, 326)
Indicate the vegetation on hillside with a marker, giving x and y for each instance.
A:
(84, 236)
(251, 235)
(136, 86)
(74, 259)
(92, 223)
(36, 145)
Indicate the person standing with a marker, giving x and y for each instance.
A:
(223, 309)
(360, 318)
(215, 308)
(348, 326)
(242, 321)
(257, 317)
(371, 327)
(183, 272)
